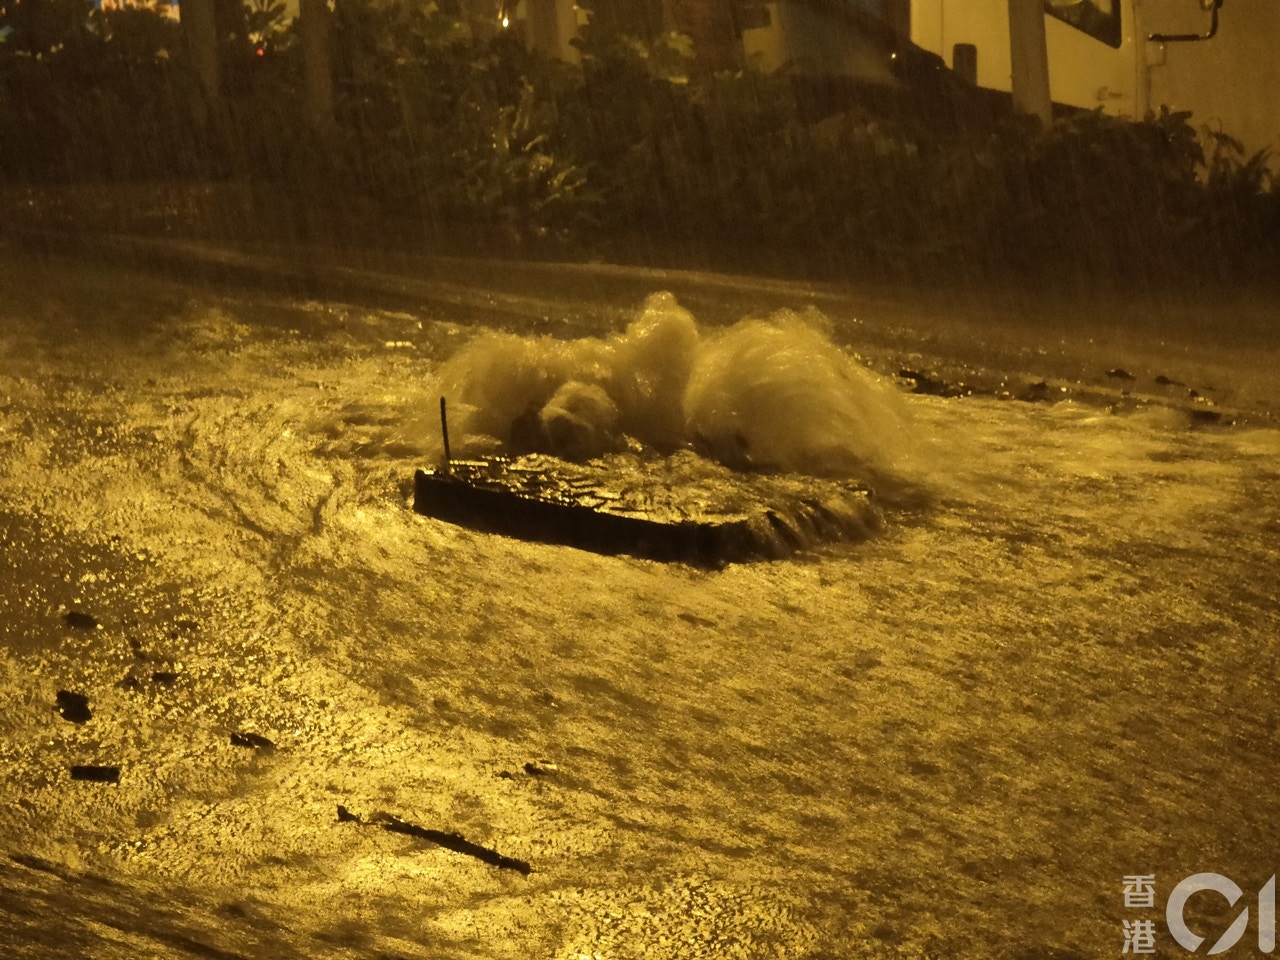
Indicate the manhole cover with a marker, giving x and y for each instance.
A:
(678, 508)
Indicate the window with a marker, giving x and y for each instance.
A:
(1100, 19)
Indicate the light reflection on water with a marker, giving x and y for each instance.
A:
(856, 749)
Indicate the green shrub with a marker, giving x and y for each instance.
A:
(454, 119)
(452, 123)
(112, 103)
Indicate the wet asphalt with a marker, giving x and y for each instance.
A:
(252, 705)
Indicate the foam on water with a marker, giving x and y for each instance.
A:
(769, 393)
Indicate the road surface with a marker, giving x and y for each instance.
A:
(955, 739)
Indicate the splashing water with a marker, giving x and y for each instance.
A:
(775, 393)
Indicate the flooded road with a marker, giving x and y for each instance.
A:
(954, 739)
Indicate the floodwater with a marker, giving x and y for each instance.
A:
(957, 738)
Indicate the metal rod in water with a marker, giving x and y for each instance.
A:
(444, 432)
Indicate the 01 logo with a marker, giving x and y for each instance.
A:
(1175, 910)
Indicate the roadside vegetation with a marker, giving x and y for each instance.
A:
(446, 130)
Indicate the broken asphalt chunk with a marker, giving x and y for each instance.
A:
(79, 620)
(1033, 392)
(923, 383)
(73, 706)
(252, 740)
(1200, 415)
(346, 816)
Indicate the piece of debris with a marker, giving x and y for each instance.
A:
(925, 384)
(73, 706)
(1203, 415)
(1120, 373)
(1033, 392)
(80, 621)
(96, 774)
(541, 768)
(253, 741)
(450, 841)
(695, 620)
(455, 842)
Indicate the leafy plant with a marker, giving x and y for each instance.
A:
(455, 126)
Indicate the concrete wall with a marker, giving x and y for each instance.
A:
(1233, 80)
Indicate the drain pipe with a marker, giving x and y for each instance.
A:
(444, 433)
(1029, 60)
(1212, 6)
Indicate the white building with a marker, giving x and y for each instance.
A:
(1100, 54)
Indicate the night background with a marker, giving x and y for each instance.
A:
(420, 124)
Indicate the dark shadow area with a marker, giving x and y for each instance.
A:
(440, 132)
